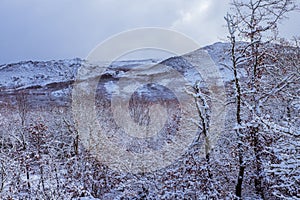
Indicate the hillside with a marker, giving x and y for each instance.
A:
(43, 153)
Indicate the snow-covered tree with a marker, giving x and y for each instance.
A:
(253, 27)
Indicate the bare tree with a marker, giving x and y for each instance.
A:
(236, 60)
(22, 103)
(254, 22)
(202, 105)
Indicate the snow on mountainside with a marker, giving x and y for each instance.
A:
(36, 74)
(50, 82)
(29, 74)
(219, 54)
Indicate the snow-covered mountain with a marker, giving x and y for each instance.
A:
(51, 81)
(36, 74)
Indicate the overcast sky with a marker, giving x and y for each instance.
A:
(61, 29)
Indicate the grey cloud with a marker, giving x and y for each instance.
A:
(59, 29)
